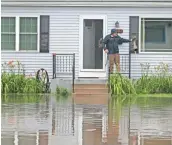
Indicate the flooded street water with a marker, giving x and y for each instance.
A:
(52, 122)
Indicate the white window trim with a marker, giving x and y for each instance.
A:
(143, 17)
(17, 18)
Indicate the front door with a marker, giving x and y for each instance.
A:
(92, 57)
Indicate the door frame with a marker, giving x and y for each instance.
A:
(91, 72)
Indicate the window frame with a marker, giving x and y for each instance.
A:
(17, 29)
(15, 33)
(140, 22)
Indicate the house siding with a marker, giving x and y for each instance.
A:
(32, 61)
(154, 60)
(64, 21)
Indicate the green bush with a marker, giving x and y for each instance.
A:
(13, 80)
(158, 81)
(151, 82)
(62, 92)
(121, 85)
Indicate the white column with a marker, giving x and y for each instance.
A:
(16, 138)
(37, 137)
(138, 137)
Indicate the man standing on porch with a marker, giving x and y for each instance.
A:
(110, 46)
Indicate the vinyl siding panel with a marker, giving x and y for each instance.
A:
(64, 34)
(153, 60)
(32, 61)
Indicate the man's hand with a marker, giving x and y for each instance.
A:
(106, 51)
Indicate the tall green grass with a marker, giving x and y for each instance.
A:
(13, 80)
(121, 85)
(156, 81)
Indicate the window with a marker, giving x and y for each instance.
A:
(19, 33)
(28, 33)
(8, 33)
(156, 35)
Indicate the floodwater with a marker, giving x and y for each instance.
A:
(64, 122)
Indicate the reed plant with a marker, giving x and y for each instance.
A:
(158, 80)
(13, 80)
(62, 93)
(153, 81)
(121, 85)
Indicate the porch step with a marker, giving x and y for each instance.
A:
(91, 91)
(87, 86)
(91, 94)
(76, 95)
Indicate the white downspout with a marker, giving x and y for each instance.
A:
(16, 138)
(37, 137)
(138, 137)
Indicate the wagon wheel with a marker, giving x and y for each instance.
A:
(43, 77)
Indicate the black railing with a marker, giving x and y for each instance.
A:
(64, 64)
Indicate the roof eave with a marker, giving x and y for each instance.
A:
(88, 4)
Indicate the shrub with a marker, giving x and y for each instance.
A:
(157, 81)
(121, 85)
(13, 80)
(62, 91)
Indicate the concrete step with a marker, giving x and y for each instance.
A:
(90, 95)
(90, 81)
(95, 86)
(91, 99)
(91, 90)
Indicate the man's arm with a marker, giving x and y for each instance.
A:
(122, 40)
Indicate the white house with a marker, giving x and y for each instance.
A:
(33, 30)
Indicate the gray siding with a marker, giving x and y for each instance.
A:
(32, 61)
(153, 60)
(65, 22)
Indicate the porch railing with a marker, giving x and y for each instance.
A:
(64, 65)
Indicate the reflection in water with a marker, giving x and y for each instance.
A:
(144, 122)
